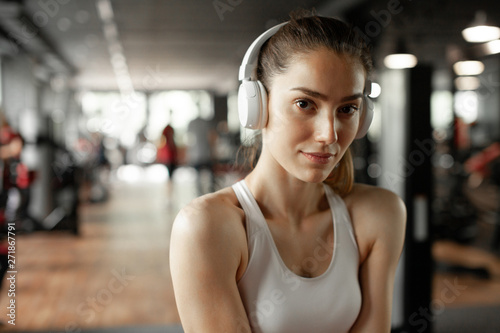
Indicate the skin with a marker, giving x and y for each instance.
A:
(313, 108)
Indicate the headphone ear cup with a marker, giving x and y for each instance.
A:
(366, 118)
(252, 104)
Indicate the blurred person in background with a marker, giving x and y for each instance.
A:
(14, 187)
(167, 152)
(16, 176)
(99, 170)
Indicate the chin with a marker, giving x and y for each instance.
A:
(314, 178)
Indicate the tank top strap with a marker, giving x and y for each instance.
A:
(340, 212)
(245, 197)
(255, 221)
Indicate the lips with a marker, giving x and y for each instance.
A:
(320, 158)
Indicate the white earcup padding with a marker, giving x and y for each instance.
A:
(252, 104)
(366, 118)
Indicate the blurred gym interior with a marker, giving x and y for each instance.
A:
(120, 112)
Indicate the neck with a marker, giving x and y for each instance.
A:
(282, 196)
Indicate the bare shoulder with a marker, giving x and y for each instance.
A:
(378, 200)
(208, 255)
(209, 206)
(377, 214)
(211, 214)
(208, 237)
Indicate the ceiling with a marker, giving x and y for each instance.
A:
(199, 44)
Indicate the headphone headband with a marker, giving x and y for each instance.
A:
(249, 63)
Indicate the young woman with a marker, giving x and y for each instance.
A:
(295, 246)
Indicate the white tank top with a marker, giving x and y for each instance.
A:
(277, 300)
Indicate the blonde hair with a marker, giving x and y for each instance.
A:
(341, 179)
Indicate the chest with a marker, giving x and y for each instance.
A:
(307, 251)
(301, 282)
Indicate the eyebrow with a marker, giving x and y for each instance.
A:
(322, 96)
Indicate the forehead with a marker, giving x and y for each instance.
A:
(324, 70)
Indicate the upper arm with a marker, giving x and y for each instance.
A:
(386, 218)
(204, 260)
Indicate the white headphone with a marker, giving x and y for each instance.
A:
(252, 96)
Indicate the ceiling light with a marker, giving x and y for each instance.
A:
(118, 60)
(481, 33)
(492, 47)
(110, 31)
(480, 30)
(115, 47)
(464, 83)
(376, 90)
(400, 61)
(467, 106)
(401, 58)
(105, 10)
(469, 67)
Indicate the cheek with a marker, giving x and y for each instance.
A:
(277, 112)
(278, 125)
(349, 133)
(347, 129)
(346, 138)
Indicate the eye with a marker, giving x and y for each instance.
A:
(304, 104)
(349, 109)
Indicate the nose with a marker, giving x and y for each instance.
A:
(326, 130)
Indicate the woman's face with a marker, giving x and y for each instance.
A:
(314, 113)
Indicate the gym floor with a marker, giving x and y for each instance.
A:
(114, 276)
